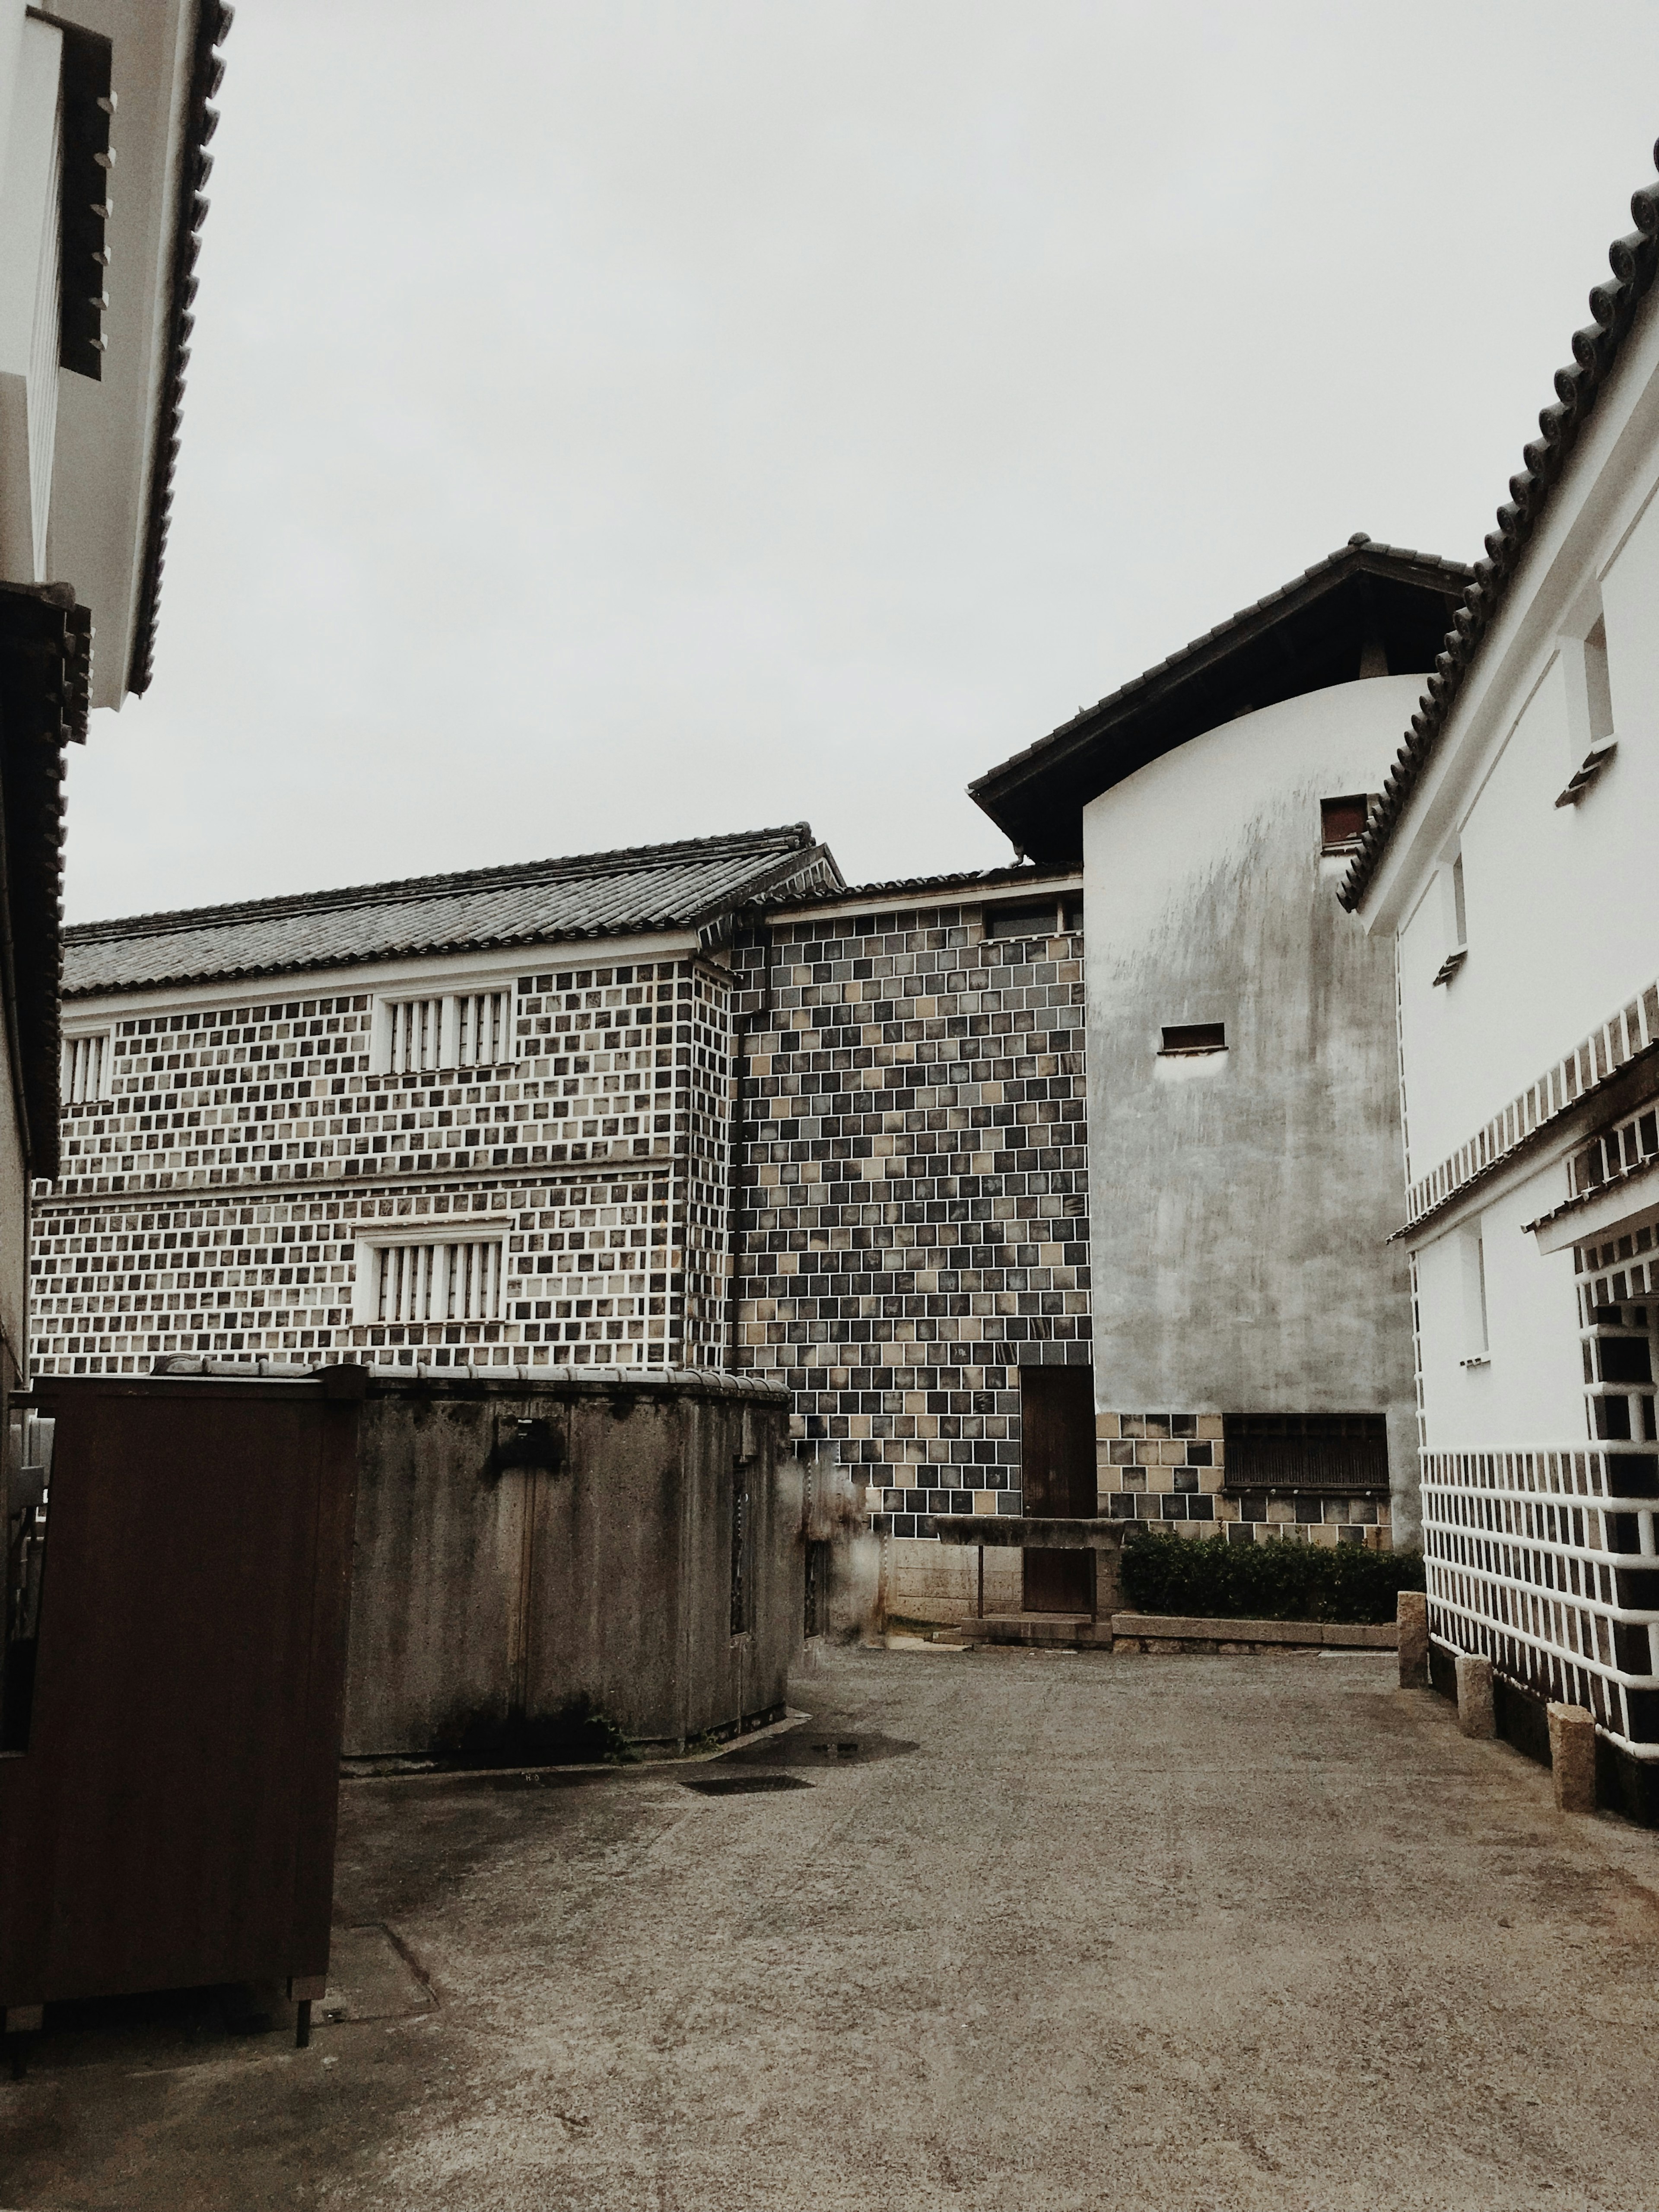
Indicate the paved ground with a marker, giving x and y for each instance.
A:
(1059, 1932)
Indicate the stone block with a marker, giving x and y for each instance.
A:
(1572, 1758)
(1476, 1715)
(1411, 1616)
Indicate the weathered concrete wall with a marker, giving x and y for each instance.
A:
(487, 1595)
(1240, 1202)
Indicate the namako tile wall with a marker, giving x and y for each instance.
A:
(1169, 1469)
(912, 1212)
(218, 1198)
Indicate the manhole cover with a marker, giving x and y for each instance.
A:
(742, 1785)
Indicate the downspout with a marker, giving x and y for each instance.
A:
(742, 1032)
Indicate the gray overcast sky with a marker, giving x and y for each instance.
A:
(615, 423)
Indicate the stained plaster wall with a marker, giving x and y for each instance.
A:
(488, 1596)
(1240, 1202)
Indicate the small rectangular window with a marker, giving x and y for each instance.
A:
(86, 1068)
(1071, 913)
(1477, 1341)
(413, 1283)
(1183, 1037)
(1598, 689)
(1454, 918)
(1022, 920)
(1342, 822)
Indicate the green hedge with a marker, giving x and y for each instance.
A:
(1215, 1579)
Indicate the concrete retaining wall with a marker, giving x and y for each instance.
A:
(503, 1573)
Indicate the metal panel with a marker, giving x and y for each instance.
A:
(171, 1821)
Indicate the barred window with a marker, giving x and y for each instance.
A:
(484, 1028)
(86, 1068)
(416, 1282)
(464, 1029)
(1274, 1453)
(417, 1036)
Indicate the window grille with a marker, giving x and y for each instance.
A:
(416, 1036)
(484, 1028)
(1344, 1454)
(417, 1283)
(86, 1062)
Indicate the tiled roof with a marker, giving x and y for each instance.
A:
(964, 883)
(1309, 633)
(1633, 259)
(201, 120)
(592, 895)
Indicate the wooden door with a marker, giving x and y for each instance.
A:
(1057, 1472)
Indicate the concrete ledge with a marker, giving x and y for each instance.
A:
(1040, 1630)
(1040, 1533)
(1171, 1632)
(1154, 1631)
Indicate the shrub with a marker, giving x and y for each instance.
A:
(1208, 1577)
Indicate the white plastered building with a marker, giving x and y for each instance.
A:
(1512, 862)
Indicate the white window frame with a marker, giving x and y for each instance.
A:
(460, 1234)
(74, 1040)
(1477, 1327)
(1454, 916)
(456, 1009)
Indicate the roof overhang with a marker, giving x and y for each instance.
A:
(117, 432)
(1369, 610)
(1531, 534)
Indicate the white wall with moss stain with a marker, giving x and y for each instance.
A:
(1241, 1204)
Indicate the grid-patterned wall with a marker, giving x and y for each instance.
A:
(1170, 1468)
(1546, 1557)
(220, 1197)
(912, 1216)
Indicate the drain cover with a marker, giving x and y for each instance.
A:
(742, 1785)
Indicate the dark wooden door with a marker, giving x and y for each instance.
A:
(1057, 1472)
(170, 1822)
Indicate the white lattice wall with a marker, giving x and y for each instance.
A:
(1543, 1558)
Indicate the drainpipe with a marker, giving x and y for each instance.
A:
(742, 1032)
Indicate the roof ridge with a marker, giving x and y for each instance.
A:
(788, 836)
(1012, 875)
(1359, 549)
(1634, 261)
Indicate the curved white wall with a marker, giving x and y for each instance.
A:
(1240, 1205)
